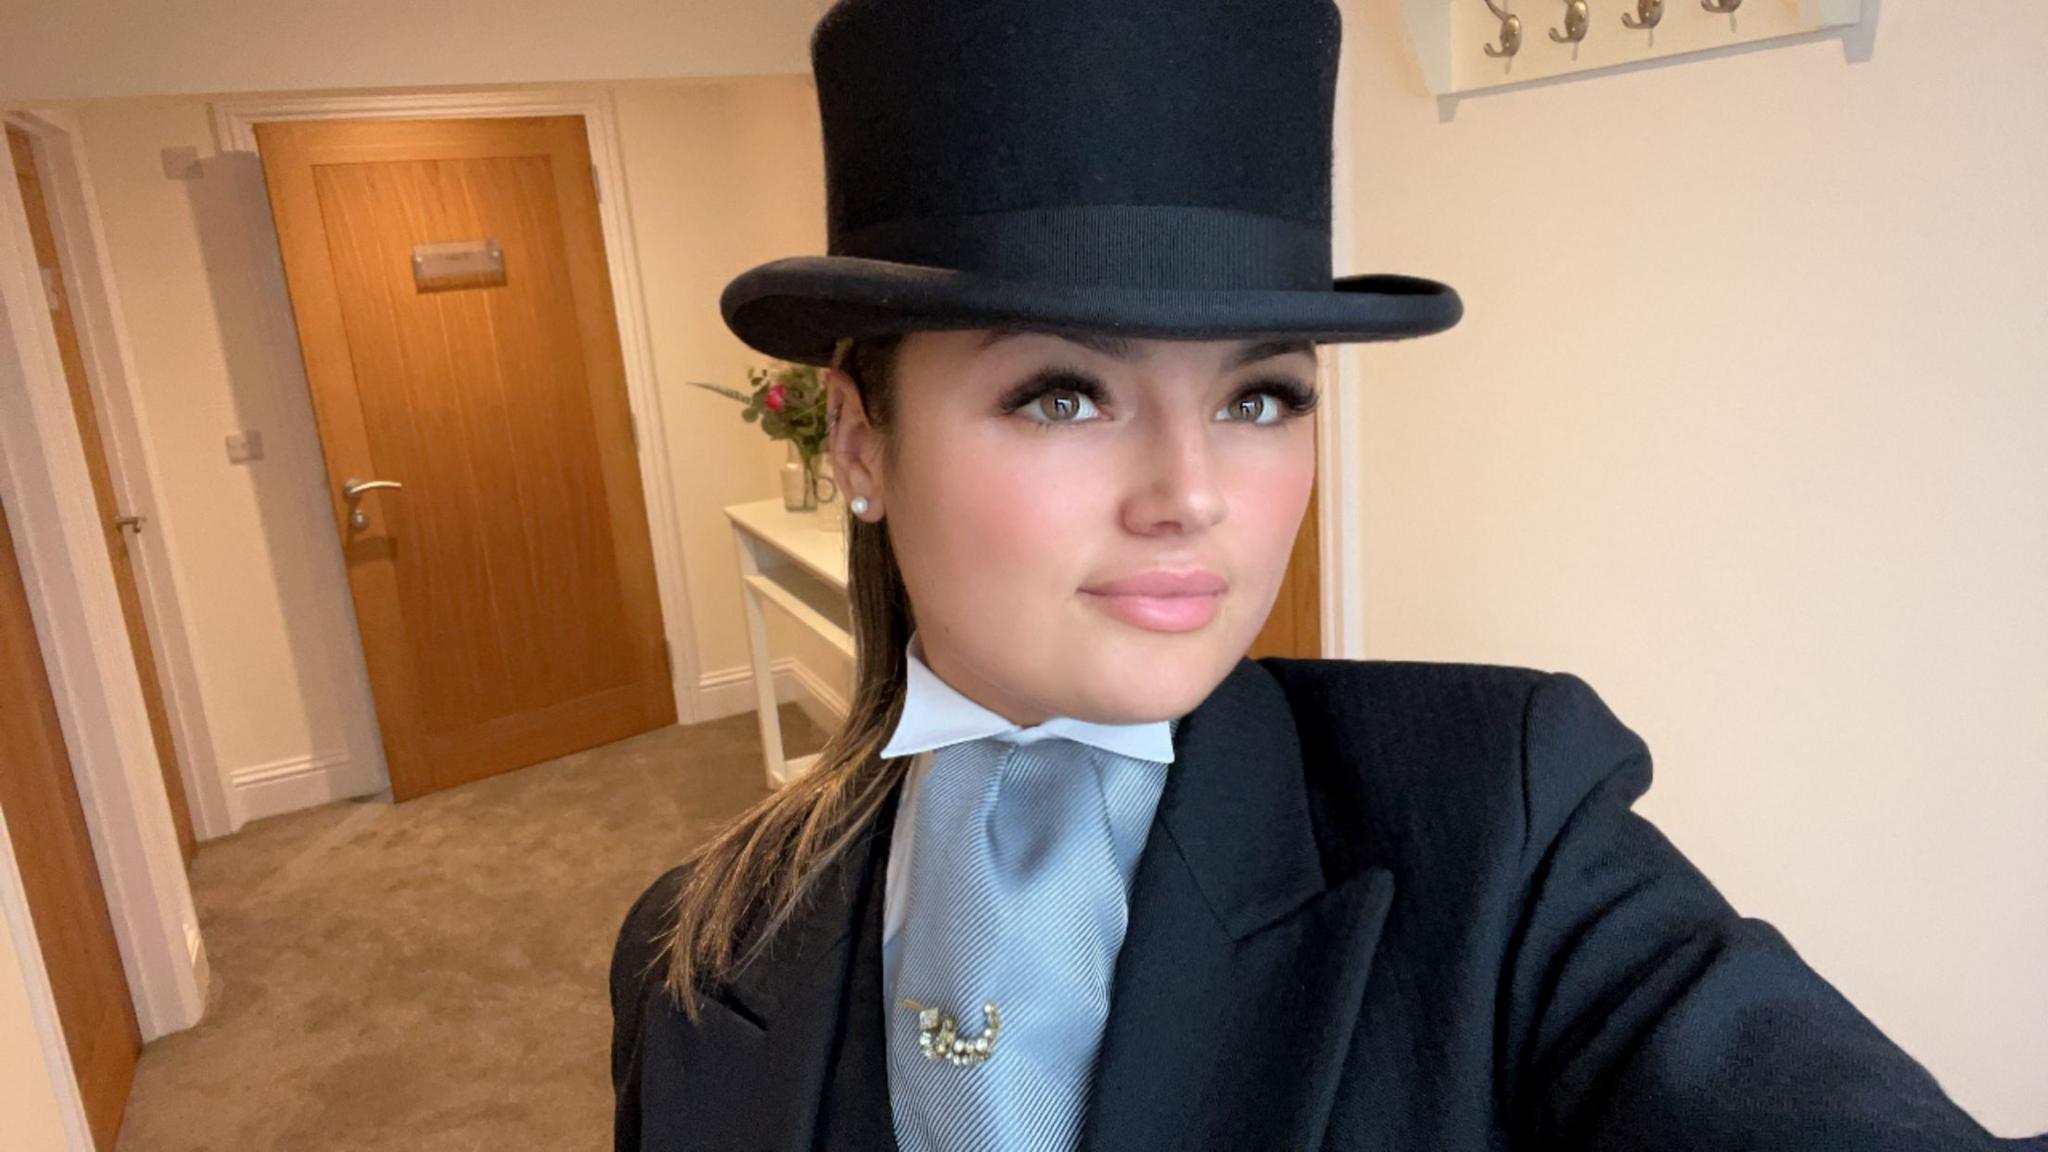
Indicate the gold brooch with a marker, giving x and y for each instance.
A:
(938, 1034)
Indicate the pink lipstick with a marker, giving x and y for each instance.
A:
(1161, 600)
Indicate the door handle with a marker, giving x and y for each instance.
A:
(352, 491)
(130, 523)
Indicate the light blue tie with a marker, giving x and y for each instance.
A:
(1019, 894)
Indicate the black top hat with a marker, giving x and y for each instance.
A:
(1137, 167)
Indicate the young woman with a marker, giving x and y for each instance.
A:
(1076, 872)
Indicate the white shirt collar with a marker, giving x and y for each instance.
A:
(935, 715)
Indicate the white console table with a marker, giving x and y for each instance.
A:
(787, 559)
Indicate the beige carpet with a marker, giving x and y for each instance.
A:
(431, 976)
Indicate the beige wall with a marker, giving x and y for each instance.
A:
(720, 174)
(254, 559)
(1747, 424)
(82, 49)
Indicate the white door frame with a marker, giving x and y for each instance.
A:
(235, 123)
(110, 360)
(86, 648)
(1340, 436)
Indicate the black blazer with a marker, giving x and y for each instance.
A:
(1383, 905)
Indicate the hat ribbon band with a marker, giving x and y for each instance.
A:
(1166, 247)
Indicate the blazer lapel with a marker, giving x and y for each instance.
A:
(1241, 973)
(789, 1056)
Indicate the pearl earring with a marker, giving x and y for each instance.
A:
(859, 504)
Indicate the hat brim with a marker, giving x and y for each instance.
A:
(799, 308)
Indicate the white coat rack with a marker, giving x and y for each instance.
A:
(1469, 45)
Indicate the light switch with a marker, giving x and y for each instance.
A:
(245, 446)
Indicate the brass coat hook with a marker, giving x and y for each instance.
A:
(1577, 17)
(1647, 14)
(1510, 31)
(1721, 5)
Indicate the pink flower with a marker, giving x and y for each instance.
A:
(774, 399)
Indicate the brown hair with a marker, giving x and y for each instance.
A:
(759, 869)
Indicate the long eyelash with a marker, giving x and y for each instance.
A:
(1297, 398)
(1053, 380)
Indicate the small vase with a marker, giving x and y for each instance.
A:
(799, 482)
(831, 511)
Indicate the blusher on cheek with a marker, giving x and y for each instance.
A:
(1269, 498)
(956, 550)
(1012, 517)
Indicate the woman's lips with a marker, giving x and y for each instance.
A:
(1162, 601)
(1161, 613)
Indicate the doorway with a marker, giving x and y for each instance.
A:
(454, 310)
(118, 524)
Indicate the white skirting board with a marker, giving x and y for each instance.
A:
(1451, 36)
(297, 782)
(731, 692)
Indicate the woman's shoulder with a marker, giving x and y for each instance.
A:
(1394, 711)
(637, 953)
(1424, 689)
(1421, 756)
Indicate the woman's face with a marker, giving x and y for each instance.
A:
(1034, 477)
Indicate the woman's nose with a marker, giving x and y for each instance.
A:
(1174, 487)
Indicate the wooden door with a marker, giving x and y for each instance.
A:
(505, 593)
(1294, 627)
(113, 522)
(58, 870)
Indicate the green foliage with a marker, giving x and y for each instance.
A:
(801, 420)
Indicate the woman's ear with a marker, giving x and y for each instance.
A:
(855, 444)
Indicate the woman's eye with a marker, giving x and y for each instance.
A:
(1255, 408)
(1274, 402)
(1060, 406)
